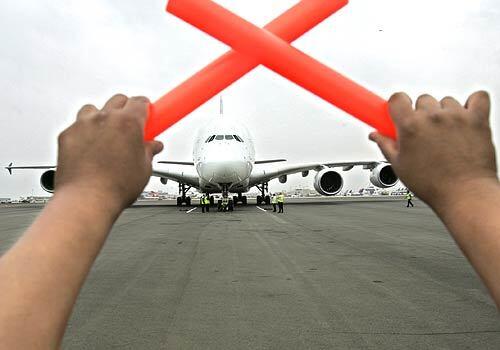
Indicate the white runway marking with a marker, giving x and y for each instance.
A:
(190, 210)
(274, 217)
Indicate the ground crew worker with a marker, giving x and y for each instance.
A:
(281, 201)
(202, 203)
(408, 197)
(207, 203)
(274, 201)
(224, 204)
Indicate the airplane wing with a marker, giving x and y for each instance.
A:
(182, 177)
(175, 162)
(260, 176)
(269, 161)
(10, 167)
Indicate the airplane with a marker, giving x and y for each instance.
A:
(224, 163)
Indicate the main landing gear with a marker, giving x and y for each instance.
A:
(240, 199)
(183, 198)
(263, 197)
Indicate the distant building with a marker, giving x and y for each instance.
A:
(4, 200)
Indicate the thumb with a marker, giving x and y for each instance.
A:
(153, 148)
(387, 146)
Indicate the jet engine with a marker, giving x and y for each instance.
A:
(283, 179)
(328, 182)
(47, 181)
(383, 176)
(163, 180)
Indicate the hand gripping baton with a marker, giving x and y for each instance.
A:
(282, 58)
(231, 66)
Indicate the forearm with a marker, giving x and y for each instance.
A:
(41, 275)
(473, 219)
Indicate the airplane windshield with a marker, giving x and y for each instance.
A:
(223, 137)
(210, 139)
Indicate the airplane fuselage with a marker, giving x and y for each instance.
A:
(224, 157)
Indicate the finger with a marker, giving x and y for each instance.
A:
(479, 104)
(85, 111)
(153, 148)
(400, 107)
(387, 145)
(427, 103)
(138, 106)
(115, 102)
(450, 103)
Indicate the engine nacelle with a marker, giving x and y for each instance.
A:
(383, 176)
(283, 179)
(328, 182)
(47, 181)
(163, 180)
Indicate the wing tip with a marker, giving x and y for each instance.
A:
(9, 168)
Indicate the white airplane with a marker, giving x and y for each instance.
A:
(224, 162)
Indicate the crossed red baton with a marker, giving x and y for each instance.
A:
(270, 47)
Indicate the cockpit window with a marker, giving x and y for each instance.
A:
(210, 139)
(224, 137)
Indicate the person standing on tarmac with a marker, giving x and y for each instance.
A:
(274, 201)
(408, 197)
(202, 203)
(206, 203)
(224, 204)
(281, 202)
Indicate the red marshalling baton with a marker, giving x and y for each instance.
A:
(252, 46)
(233, 65)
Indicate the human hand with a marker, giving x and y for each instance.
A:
(103, 154)
(443, 149)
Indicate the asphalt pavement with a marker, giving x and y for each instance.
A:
(324, 275)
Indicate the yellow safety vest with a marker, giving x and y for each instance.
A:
(281, 198)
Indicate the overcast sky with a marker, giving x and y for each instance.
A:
(60, 54)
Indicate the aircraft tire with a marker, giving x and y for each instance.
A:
(179, 201)
(188, 201)
(267, 200)
(244, 200)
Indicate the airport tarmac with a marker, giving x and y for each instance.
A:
(348, 274)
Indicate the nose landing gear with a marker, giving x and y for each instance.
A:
(225, 204)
